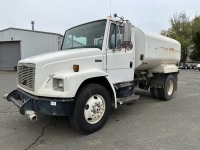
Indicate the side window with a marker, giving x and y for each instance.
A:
(116, 36)
(119, 36)
(112, 36)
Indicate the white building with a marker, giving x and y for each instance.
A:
(16, 44)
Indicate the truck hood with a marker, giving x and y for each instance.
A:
(61, 62)
(64, 55)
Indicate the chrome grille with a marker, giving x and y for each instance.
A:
(26, 76)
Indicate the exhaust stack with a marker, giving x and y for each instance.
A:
(31, 115)
(32, 22)
(5, 96)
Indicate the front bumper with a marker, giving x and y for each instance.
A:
(42, 105)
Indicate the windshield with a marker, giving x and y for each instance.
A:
(88, 35)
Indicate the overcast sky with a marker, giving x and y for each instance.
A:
(58, 15)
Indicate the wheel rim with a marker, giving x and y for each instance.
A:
(94, 109)
(170, 87)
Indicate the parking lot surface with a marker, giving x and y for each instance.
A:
(145, 124)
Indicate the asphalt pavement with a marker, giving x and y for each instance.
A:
(147, 124)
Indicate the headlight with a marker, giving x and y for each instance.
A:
(58, 84)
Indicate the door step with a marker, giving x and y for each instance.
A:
(128, 100)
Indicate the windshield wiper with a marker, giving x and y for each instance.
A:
(93, 46)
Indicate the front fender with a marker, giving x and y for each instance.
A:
(72, 81)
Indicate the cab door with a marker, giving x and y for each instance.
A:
(118, 60)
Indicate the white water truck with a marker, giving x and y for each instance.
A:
(100, 65)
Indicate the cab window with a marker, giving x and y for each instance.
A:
(115, 36)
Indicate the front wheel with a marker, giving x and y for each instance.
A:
(167, 91)
(93, 103)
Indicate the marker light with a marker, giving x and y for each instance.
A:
(76, 68)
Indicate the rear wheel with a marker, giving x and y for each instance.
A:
(92, 108)
(167, 91)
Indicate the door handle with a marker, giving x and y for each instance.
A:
(131, 64)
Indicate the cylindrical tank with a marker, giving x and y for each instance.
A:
(152, 50)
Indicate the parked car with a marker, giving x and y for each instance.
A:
(185, 66)
(181, 66)
(193, 65)
(197, 67)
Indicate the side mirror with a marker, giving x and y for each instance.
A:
(127, 32)
(127, 44)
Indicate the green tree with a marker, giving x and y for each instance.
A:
(195, 54)
(180, 30)
(195, 24)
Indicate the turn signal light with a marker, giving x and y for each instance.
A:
(76, 68)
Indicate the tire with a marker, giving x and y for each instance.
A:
(92, 108)
(154, 93)
(167, 91)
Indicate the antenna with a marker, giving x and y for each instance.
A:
(110, 7)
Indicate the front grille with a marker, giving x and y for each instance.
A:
(26, 76)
